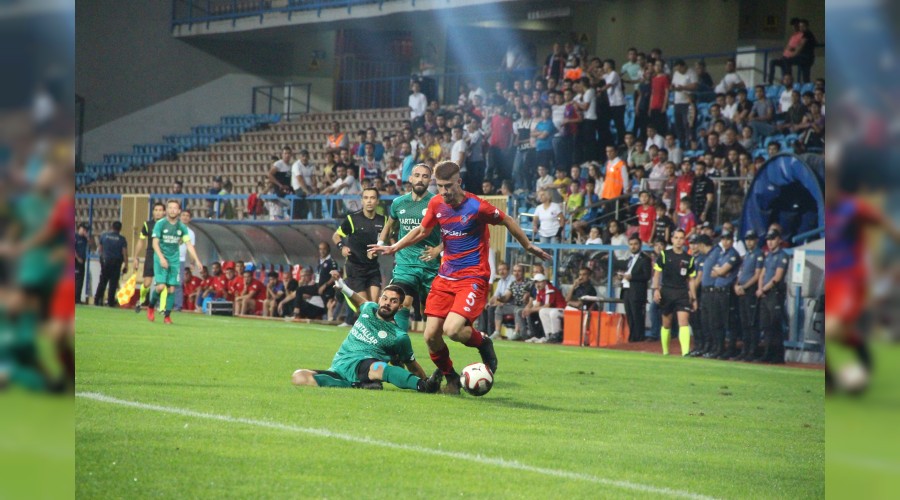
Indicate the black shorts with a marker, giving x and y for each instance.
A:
(359, 278)
(148, 265)
(674, 300)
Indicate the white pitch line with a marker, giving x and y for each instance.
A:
(497, 462)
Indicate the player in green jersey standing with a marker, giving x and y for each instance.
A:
(168, 235)
(375, 339)
(415, 266)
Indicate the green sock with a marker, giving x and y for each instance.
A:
(144, 292)
(329, 381)
(169, 301)
(665, 334)
(684, 338)
(154, 296)
(402, 319)
(164, 299)
(400, 377)
(27, 377)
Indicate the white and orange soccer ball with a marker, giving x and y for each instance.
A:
(476, 379)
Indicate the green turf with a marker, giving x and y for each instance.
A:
(621, 425)
(863, 451)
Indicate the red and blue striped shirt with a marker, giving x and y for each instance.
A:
(465, 234)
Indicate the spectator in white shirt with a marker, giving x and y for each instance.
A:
(653, 138)
(417, 103)
(548, 219)
(684, 83)
(784, 99)
(615, 91)
(731, 81)
(675, 151)
(545, 180)
(496, 309)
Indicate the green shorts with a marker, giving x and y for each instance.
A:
(170, 276)
(415, 280)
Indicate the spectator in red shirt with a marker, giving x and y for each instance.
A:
(191, 288)
(659, 98)
(684, 185)
(498, 145)
(251, 295)
(234, 284)
(646, 217)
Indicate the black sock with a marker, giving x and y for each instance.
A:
(865, 355)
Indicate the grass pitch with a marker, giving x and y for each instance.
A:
(205, 408)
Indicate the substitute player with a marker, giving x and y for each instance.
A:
(675, 292)
(159, 211)
(846, 278)
(414, 268)
(168, 234)
(459, 293)
(374, 341)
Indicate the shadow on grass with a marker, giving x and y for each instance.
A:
(530, 405)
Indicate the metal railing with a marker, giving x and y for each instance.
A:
(289, 100)
(190, 12)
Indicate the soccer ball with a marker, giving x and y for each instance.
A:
(476, 379)
(853, 378)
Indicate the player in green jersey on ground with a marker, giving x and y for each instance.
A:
(374, 341)
(415, 266)
(168, 235)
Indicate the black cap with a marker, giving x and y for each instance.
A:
(751, 235)
(304, 152)
(692, 238)
(773, 234)
(704, 240)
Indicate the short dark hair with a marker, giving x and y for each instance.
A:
(286, 148)
(635, 237)
(116, 226)
(177, 202)
(396, 289)
(423, 165)
(159, 203)
(446, 169)
(370, 189)
(187, 211)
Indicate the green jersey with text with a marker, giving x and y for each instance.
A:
(371, 338)
(170, 236)
(409, 214)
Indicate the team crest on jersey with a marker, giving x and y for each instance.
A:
(165, 231)
(403, 211)
(438, 215)
(475, 286)
(382, 334)
(463, 219)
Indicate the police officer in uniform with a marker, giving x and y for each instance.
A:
(745, 289)
(113, 253)
(673, 275)
(724, 269)
(772, 292)
(361, 229)
(705, 336)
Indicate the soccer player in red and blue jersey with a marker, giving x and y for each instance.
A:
(459, 292)
(846, 277)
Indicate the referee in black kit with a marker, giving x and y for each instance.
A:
(359, 230)
(675, 292)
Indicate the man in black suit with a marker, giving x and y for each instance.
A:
(634, 289)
